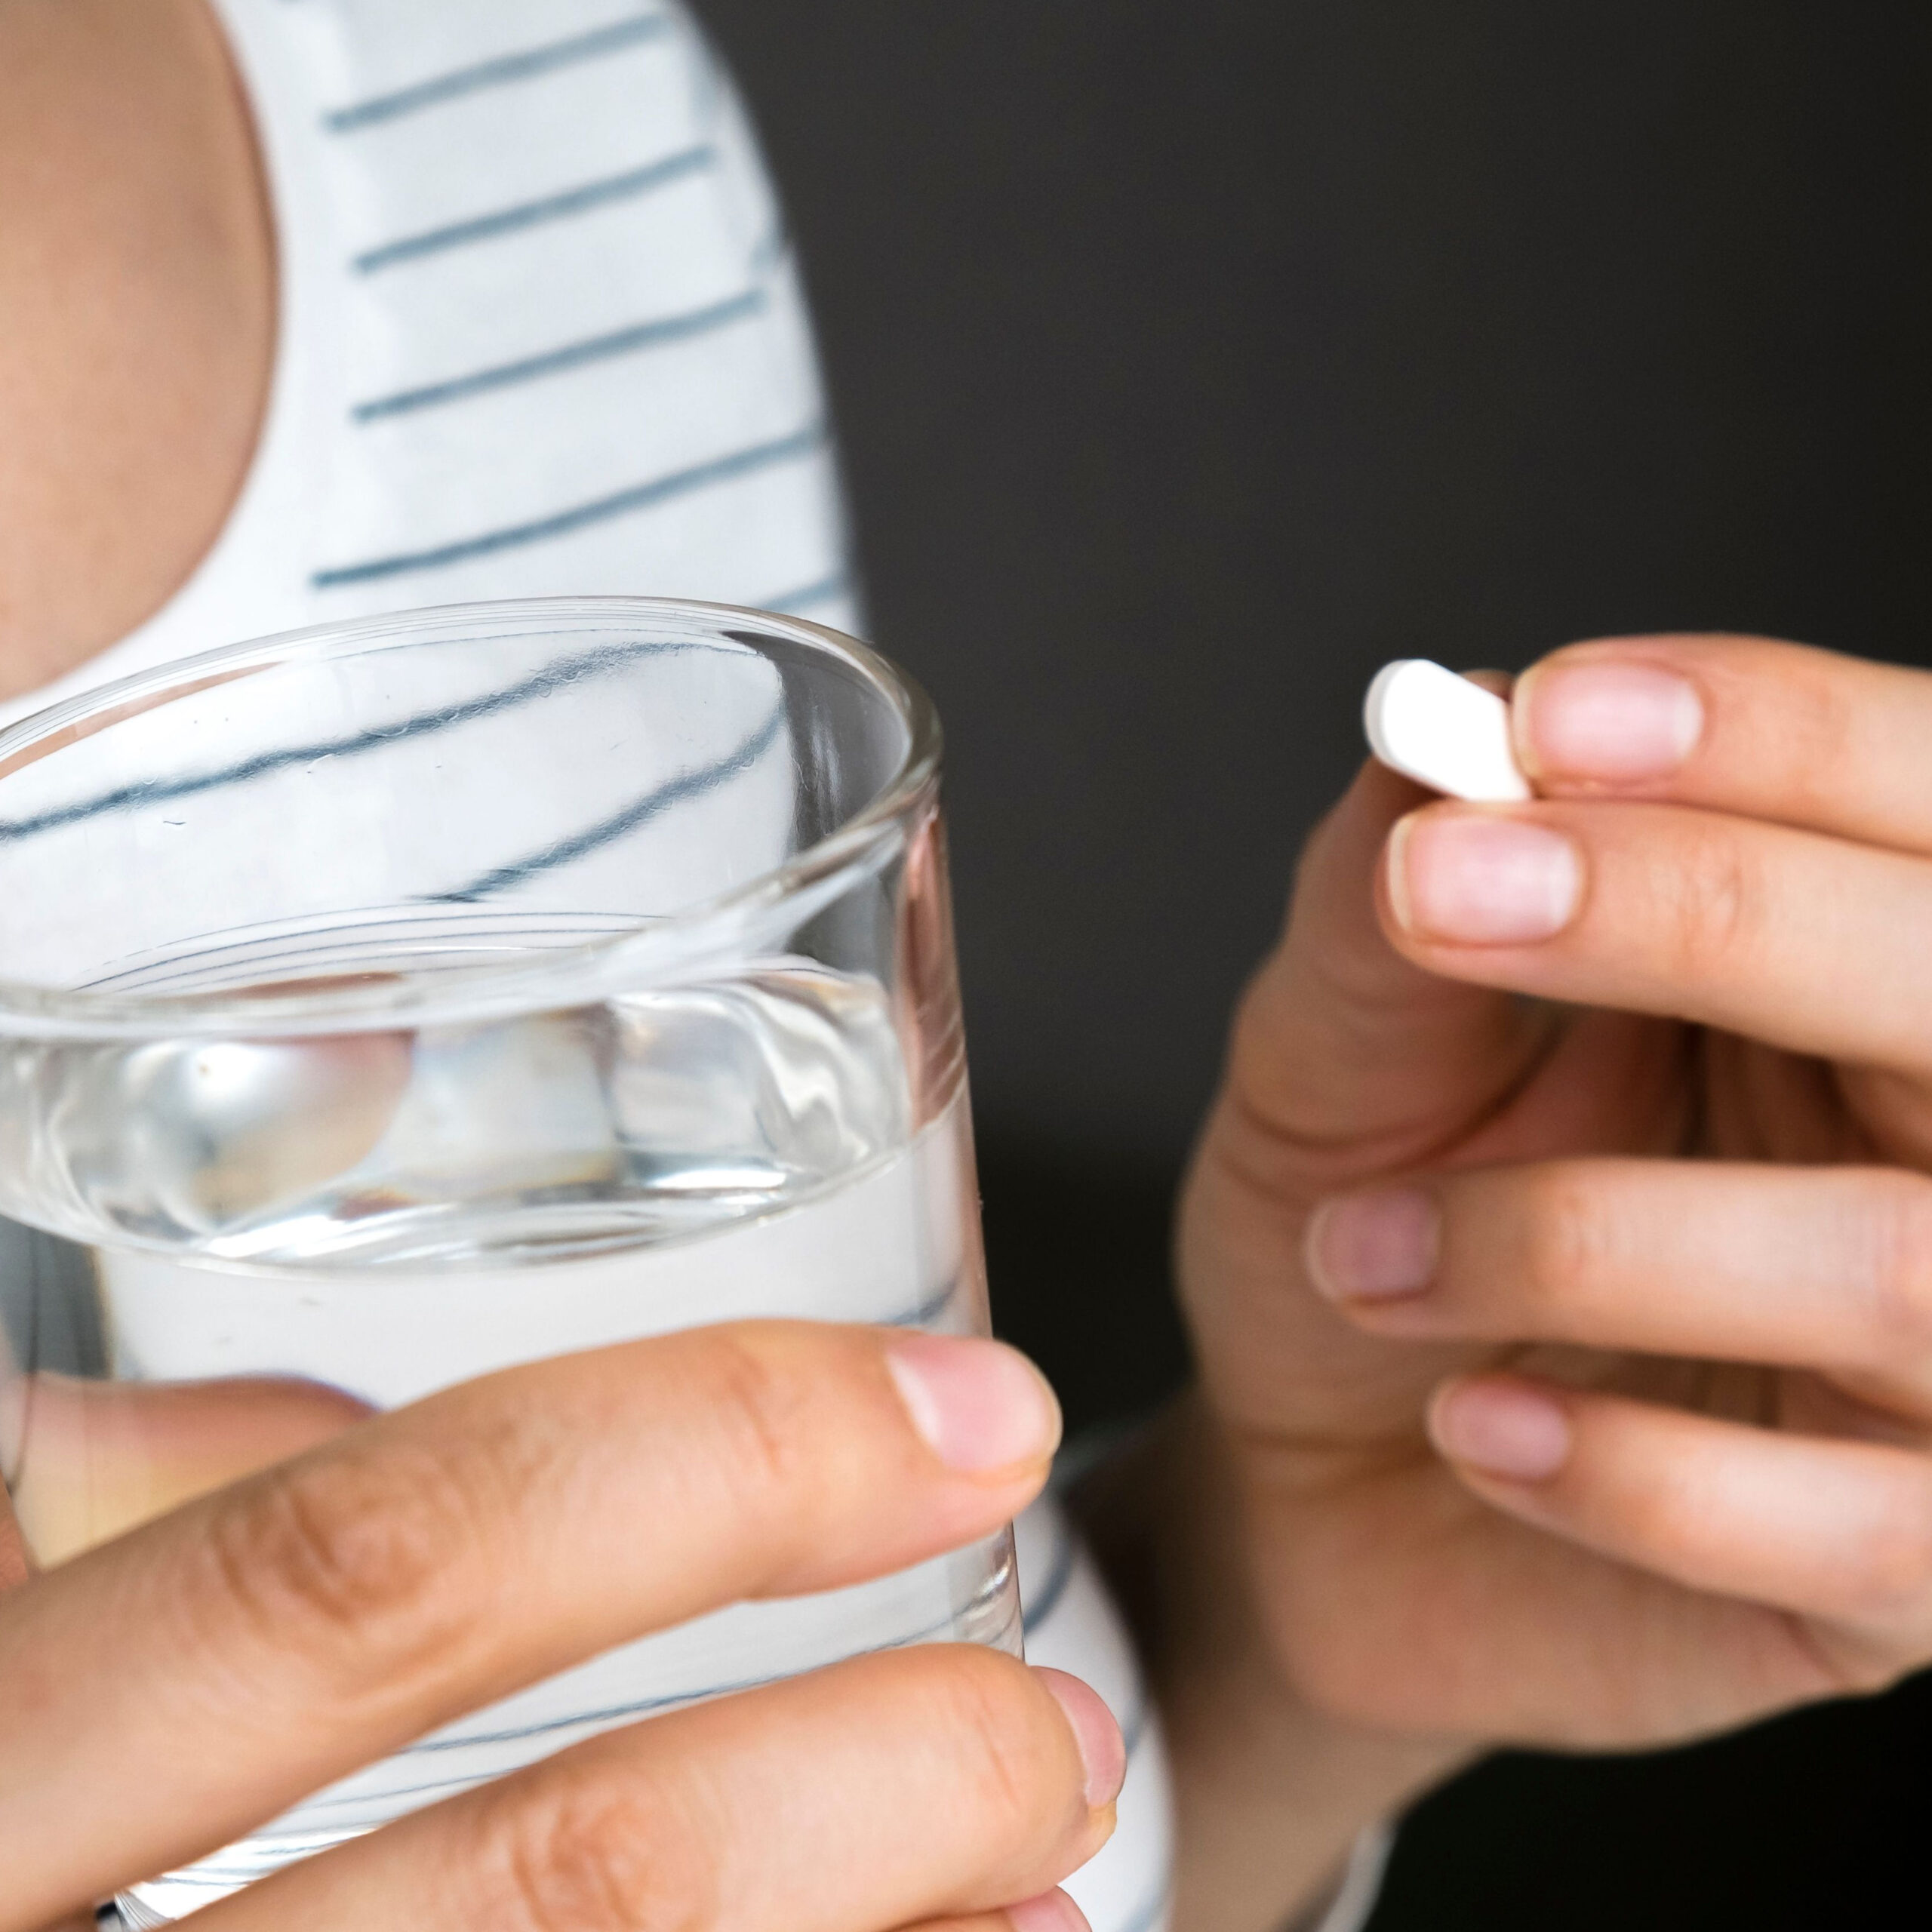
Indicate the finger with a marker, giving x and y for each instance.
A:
(1823, 1268)
(1046, 1911)
(1050, 1911)
(1836, 1530)
(901, 1787)
(1743, 724)
(15, 1567)
(272, 1638)
(1347, 1061)
(1341, 1042)
(102, 1457)
(1805, 943)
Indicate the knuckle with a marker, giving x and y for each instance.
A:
(761, 1413)
(1569, 1237)
(1896, 1234)
(573, 1851)
(1016, 1774)
(1713, 908)
(364, 1557)
(1813, 735)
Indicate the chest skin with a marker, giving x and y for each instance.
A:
(137, 316)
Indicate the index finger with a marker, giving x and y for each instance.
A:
(1741, 724)
(265, 1641)
(14, 1568)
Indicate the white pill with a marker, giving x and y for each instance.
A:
(1442, 731)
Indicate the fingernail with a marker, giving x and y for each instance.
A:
(1051, 1912)
(1618, 724)
(1475, 878)
(978, 1405)
(1102, 1750)
(1372, 1247)
(1502, 1429)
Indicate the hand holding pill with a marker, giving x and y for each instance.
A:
(1559, 1254)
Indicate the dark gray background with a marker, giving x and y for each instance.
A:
(1189, 362)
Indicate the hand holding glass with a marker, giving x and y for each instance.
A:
(385, 1005)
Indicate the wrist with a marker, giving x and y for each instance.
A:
(1270, 1792)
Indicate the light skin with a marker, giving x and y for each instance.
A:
(1558, 1255)
(283, 1630)
(137, 291)
(1554, 1255)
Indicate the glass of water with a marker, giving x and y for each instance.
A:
(384, 1004)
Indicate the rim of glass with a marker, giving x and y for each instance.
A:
(706, 931)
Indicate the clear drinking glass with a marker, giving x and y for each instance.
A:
(383, 1005)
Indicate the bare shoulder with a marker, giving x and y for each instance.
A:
(137, 316)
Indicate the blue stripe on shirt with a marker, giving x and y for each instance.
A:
(658, 800)
(573, 355)
(579, 200)
(553, 677)
(504, 69)
(622, 503)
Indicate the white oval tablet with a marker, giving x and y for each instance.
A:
(1442, 731)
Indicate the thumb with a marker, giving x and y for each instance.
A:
(1347, 1059)
(98, 1458)
(1348, 1063)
